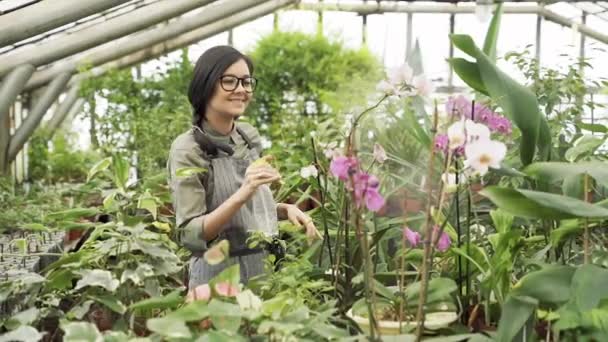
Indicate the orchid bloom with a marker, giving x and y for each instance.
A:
(366, 190)
(411, 236)
(480, 155)
(423, 86)
(379, 153)
(400, 75)
(444, 239)
(309, 171)
(341, 166)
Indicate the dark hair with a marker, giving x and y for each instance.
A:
(207, 71)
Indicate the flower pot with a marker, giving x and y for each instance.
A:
(433, 321)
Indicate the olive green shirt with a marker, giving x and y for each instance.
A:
(190, 195)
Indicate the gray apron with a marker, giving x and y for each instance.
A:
(257, 214)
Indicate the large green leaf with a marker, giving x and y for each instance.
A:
(81, 332)
(550, 285)
(543, 205)
(566, 204)
(515, 313)
(99, 278)
(111, 302)
(72, 214)
(171, 300)
(25, 317)
(558, 171)
(491, 41)
(121, 171)
(589, 285)
(586, 145)
(99, 167)
(24, 333)
(469, 73)
(169, 326)
(225, 316)
(518, 102)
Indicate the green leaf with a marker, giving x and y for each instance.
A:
(566, 229)
(79, 311)
(225, 316)
(527, 203)
(589, 286)
(72, 214)
(80, 332)
(518, 103)
(517, 204)
(586, 145)
(569, 205)
(515, 313)
(119, 336)
(573, 186)
(596, 128)
(37, 227)
(491, 41)
(21, 245)
(550, 285)
(170, 301)
(148, 202)
(99, 167)
(465, 43)
(23, 334)
(111, 302)
(502, 220)
(26, 317)
(469, 73)
(438, 289)
(415, 59)
(169, 327)
(557, 171)
(99, 278)
(189, 171)
(121, 171)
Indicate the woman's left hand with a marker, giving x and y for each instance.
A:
(300, 218)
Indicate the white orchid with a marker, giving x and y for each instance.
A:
(309, 171)
(423, 86)
(400, 75)
(387, 88)
(465, 132)
(483, 154)
(379, 153)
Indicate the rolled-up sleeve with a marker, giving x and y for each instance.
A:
(189, 197)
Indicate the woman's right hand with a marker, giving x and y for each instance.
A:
(257, 175)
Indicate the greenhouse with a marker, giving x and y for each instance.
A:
(303, 170)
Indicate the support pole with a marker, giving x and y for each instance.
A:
(67, 45)
(47, 15)
(62, 110)
(451, 51)
(539, 21)
(175, 43)
(29, 125)
(409, 34)
(220, 10)
(12, 85)
(5, 135)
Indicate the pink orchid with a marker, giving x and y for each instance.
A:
(366, 190)
(201, 292)
(341, 166)
(500, 124)
(441, 142)
(226, 289)
(458, 106)
(444, 240)
(411, 236)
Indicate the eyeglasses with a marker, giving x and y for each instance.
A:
(230, 83)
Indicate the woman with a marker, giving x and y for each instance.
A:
(232, 197)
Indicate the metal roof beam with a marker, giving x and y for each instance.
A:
(188, 38)
(47, 15)
(67, 45)
(141, 40)
(63, 109)
(12, 85)
(32, 120)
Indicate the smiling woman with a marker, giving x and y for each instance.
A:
(231, 198)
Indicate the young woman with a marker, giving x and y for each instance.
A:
(232, 198)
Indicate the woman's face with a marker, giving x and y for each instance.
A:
(233, 90)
